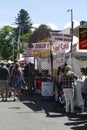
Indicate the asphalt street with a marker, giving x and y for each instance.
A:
(34, 113)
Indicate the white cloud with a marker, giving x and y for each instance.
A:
(2, 24)
(36, 25)
(75, 24)
(7, 24)
(52, 26)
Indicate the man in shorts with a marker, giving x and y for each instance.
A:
(4, 74)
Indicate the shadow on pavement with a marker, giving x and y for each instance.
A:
(37, 104)
(77, 121)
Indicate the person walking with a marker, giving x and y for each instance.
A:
(16, 79)
(4, 75)
(84, 90)
(25, 74)
(68, 81)
(31, 77)
(11, 66)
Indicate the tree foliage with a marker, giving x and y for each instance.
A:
(23, 21)
(6, 45)
(9, 35)
(43, 27)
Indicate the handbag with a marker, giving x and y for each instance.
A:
(84, 90)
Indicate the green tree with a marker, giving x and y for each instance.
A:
(24, 26)
(23, 21)
(43, 27)
(6, 44)
(26, 37)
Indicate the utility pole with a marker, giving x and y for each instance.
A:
(19, 30)
(22, 29)
(71, 32)
(13, 47)
(51, 55)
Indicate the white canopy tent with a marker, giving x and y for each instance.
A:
(79, 60)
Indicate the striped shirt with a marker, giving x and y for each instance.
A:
(68, 81)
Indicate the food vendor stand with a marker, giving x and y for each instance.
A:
(49, 55)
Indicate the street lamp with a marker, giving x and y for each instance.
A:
(71, 30)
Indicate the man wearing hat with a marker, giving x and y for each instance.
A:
(4, 74)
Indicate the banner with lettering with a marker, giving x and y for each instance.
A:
(83, 38)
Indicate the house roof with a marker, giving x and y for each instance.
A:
(39, 36)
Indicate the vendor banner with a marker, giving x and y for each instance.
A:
(28, 53)
(43, 53)
(47, 39)
(59, 58)
(60, 46)
(74, 47)
(83, 38)
(57, 36)
(43, 45)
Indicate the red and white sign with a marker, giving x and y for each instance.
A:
(60, 46)
(28, 53)
(56, 36)
(74, 47)
(60, 58)
(43, 45)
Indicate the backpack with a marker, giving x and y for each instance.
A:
(4, 73)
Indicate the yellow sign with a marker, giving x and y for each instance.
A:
(42, 53)
(83, 38)
(45, 40)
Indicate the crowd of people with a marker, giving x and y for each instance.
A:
(13, 78)
(66, 82)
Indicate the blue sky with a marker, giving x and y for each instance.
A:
(52, 12)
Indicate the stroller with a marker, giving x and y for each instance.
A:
(61, 97)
